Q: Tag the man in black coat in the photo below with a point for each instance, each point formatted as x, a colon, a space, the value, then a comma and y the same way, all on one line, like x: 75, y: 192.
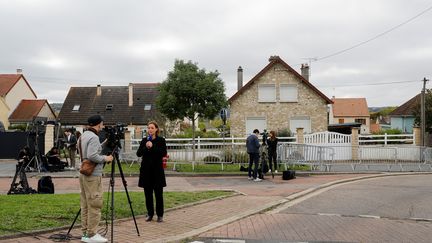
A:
x: 71, y: 143
x: 253, y: 145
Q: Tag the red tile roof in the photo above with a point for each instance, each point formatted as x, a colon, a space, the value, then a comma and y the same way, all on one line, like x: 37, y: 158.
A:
x: 350, y: 107
x: 273, y: 61
x: 27, y: 110
x: 8, y: 81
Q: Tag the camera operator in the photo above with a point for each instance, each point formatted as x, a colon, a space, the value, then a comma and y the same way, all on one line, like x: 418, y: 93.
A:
x: 91, y: 186
x: 71, y: 142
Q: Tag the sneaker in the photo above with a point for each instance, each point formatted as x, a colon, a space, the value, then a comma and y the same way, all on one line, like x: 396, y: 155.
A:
x: 276, y: 171
x: 257, y: 179
x: 97, y: 238
x: 269, y: 171
x: 84, y: 238
x: 250, y: 178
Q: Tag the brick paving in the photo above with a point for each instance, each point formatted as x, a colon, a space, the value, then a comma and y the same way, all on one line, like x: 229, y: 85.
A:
x: 245, y: 216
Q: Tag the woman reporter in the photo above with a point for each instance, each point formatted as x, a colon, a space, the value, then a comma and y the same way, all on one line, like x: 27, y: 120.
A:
x: 152, y: 175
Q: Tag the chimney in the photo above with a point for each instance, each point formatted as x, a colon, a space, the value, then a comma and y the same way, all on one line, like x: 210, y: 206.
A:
x: 19, y: 71
x: 305, y: 71
x: 239, y: 78
x: 130, y: 94
x: 274, y: 58
x: 98, y: 90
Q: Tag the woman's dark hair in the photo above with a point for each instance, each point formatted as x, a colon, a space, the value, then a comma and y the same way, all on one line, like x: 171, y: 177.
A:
x: 273, y: 133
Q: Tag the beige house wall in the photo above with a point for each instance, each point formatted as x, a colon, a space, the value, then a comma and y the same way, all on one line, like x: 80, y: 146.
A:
x: 4, y: 111
x: 46, y: 112
x: 19, y: 91
x: 278, y: 113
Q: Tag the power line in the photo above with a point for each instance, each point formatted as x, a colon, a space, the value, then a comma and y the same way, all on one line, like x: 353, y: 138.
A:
x: 369, y: 84
x: 373, y: 38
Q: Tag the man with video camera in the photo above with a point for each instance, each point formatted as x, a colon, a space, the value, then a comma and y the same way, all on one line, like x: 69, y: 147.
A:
x: 91, y: 186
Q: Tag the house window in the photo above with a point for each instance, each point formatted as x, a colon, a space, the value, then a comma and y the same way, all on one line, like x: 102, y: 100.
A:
x: 288, y: 93
x: 76, y: 107
x: 267, y: 93
x: 253, y: 123
x: 341, y: 121
x: 362, y: 121
x: 147, y: 107
x: 300, y: 121
x: 109, y: 107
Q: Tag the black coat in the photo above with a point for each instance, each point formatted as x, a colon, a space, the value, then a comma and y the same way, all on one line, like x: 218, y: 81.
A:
x: 272, y: 145
x: 152, y: 174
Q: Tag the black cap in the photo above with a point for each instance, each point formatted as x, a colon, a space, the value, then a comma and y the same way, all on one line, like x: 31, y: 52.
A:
x: 94, y: 120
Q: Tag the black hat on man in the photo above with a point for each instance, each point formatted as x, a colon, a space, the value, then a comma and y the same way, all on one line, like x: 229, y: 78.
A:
x: 94, y: 120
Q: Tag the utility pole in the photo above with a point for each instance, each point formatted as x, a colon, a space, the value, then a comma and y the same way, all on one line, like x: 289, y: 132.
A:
x: 423, y: 112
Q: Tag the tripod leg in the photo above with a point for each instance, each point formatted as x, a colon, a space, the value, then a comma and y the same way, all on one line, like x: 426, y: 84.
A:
x: 116, y: 160
x: 13, y: 184
x: 70, y: 228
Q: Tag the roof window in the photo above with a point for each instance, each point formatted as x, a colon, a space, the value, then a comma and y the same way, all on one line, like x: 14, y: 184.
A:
x: 147, y: 107
x: 76, y: 107
x: 109, y: 107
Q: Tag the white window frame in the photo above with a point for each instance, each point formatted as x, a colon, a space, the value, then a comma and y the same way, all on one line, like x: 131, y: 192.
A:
x: 267, y: 93
x: 147, y: 107
x: 293, y: 121
x: 249, y: 130
x: 288, y: 93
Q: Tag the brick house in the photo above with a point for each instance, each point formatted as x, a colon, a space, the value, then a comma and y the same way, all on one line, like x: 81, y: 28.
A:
x: 350, y: 110
x: 278, y: 98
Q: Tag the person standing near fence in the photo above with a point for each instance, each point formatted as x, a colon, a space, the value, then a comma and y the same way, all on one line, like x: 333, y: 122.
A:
x: 252, y: 146
x: 71, y: 142
x: 152, y: 149
x: 272, y: 142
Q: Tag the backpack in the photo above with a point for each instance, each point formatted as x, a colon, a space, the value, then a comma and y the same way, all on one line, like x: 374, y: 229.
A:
x: 45, y: 185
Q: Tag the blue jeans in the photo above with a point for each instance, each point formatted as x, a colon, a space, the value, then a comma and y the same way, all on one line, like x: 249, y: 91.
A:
x: 253, y: 159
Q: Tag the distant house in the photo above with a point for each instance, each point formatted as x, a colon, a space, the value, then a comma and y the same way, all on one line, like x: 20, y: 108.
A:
x: 13, y: 89
x: 28, y: 110
x: 277, y: 98
x: 350, y: 110
x: 132, y: 105
x: 402, y: 118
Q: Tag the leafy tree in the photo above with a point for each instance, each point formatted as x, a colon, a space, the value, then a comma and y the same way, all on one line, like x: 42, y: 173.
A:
x: 428, y: 111
x: 191, y: 92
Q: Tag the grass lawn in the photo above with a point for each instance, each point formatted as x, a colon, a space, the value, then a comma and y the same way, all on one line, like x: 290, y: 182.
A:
x: 23, y: 213
x: 198, y: 168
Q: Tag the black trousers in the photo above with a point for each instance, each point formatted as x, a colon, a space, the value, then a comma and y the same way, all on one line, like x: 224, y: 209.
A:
x: 158, y: 191
x: 272, y: 156
x: 253, y: 159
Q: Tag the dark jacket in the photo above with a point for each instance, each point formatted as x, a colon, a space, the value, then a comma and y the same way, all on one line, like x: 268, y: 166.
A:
x: 252, y: 144
x: 72, y: 142
x: 272, y: 145
x: 152, y: 173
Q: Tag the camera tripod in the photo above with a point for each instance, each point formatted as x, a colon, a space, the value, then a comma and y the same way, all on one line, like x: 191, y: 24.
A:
x: 111, y: 185
x: 25, y: 188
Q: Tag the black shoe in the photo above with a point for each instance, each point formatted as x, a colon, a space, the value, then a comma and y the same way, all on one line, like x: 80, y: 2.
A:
x: 160, y: 219
x: 149, y: 218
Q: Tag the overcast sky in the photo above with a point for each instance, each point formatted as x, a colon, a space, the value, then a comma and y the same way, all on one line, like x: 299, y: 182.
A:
x: 60, y: 44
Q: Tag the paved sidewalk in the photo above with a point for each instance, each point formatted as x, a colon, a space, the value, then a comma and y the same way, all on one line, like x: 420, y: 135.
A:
x: 191, y: 221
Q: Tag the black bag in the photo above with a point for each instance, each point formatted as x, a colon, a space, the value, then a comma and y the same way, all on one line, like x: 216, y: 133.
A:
x: 288, y: 175
x: 45, y: 185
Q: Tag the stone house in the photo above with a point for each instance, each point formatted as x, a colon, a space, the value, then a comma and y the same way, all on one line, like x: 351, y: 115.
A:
x: 350, y: 110
x: 278, y: 98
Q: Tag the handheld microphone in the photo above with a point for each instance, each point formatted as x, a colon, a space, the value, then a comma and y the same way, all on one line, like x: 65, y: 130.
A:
x: 149, y: 138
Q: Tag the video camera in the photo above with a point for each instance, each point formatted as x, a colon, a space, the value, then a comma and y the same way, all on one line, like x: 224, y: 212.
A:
x: 264, y: 136
x: 114, y: 134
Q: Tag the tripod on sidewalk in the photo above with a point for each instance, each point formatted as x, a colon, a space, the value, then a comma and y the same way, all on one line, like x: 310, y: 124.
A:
x: 113, y: 142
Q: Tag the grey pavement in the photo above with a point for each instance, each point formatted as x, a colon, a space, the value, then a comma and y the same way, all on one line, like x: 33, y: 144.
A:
x: 251, y: 214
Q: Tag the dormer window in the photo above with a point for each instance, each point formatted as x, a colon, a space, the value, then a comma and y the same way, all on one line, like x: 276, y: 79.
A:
x: 76, y: 107
x: 109, y: 107
x: 147, y: 107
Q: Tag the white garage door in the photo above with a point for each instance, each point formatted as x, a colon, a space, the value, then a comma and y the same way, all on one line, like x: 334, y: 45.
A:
x: 300, y: 121
x: 253, y: 123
